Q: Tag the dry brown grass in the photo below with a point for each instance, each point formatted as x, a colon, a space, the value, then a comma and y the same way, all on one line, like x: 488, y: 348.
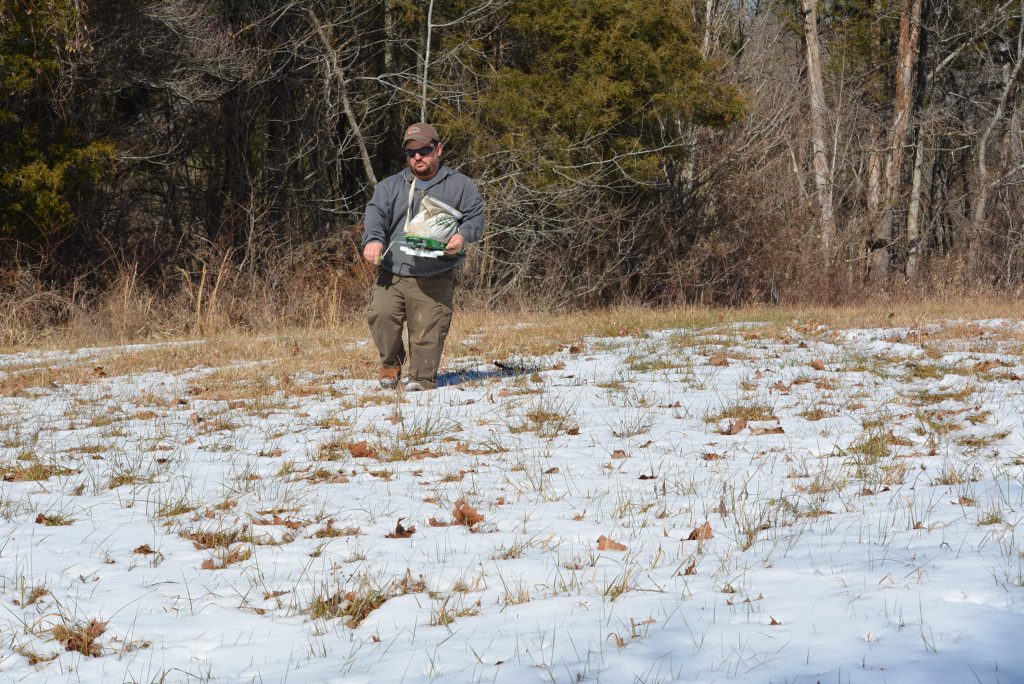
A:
x: 248, y: 364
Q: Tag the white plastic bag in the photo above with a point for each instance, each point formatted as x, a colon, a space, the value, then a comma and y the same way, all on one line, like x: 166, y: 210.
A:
x: 435, y: 221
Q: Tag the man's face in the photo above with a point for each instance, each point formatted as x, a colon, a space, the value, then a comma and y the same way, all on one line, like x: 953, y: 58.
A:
x: 423, y: 159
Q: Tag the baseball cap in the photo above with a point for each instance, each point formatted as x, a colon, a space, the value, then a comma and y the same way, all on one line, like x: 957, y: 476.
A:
x: 421, y: 132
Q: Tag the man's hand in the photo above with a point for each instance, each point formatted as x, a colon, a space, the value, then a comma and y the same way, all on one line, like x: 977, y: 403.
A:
x: 454, y: 245
x: 372, y: 252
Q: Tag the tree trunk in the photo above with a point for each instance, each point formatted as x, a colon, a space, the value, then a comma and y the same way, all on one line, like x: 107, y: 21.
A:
x: 426, y: 60
x: 820, y: 160
x: 914, y: 212
x: 915, y: 209
x: 906, y: 68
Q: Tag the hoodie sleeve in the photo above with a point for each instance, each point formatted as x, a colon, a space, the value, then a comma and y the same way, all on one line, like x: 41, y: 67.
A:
x: 472, y: 208
x: 378, y: 215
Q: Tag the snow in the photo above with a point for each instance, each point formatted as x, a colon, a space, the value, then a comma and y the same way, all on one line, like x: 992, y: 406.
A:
x: 864, y: 517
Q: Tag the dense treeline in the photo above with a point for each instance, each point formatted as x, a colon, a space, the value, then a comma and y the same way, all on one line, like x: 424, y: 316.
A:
x: 714, y: 150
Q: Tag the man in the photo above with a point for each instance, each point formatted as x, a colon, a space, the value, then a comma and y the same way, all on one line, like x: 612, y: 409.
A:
x: 416, y: 290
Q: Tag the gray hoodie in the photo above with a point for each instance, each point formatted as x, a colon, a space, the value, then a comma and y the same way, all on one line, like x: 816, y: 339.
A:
x: 385, y: 218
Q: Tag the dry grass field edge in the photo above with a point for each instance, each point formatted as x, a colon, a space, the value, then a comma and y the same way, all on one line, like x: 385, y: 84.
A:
x: 478, y: 332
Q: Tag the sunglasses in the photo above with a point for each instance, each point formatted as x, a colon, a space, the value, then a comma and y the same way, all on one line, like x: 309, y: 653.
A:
x: 423, y: 151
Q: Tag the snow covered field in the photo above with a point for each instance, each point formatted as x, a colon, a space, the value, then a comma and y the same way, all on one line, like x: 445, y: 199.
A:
x: 743, y: 503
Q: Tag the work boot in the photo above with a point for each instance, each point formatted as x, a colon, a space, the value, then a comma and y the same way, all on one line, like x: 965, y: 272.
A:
x: 389, y: 377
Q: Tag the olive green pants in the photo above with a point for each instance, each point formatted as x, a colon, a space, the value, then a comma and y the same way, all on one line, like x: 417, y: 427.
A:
x: 425, y: 305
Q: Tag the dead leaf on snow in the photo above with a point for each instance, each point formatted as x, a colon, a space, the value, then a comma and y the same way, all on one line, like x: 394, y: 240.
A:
x: 401, y: 532
x: 606, y: 544
x: 464, y: 514
x: 736, y: 427
x: 701, y: 533
x: 362, y: 450
x: 279, y: 521
x: 777, y: 430
x: 718, y: 360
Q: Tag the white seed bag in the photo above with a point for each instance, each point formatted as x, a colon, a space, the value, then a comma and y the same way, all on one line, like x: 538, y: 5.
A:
x: 435, y: 221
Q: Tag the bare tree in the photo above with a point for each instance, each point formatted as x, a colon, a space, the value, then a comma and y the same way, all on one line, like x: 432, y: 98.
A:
x: 820, y: 162
x: 984, y: 183
x: 906, y: 70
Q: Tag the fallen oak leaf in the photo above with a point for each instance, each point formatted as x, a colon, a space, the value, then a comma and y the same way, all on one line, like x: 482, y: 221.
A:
x: 818, y: 364
x: 606, y: 544
x: 736, y: 427
x: 701, y: 533
x: 144, y: 550
x: 464, y: 514
x: 362, y: 450
x: 718, y: 360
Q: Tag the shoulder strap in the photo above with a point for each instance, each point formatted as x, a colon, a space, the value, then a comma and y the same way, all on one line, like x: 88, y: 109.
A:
x: 408, y: 206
